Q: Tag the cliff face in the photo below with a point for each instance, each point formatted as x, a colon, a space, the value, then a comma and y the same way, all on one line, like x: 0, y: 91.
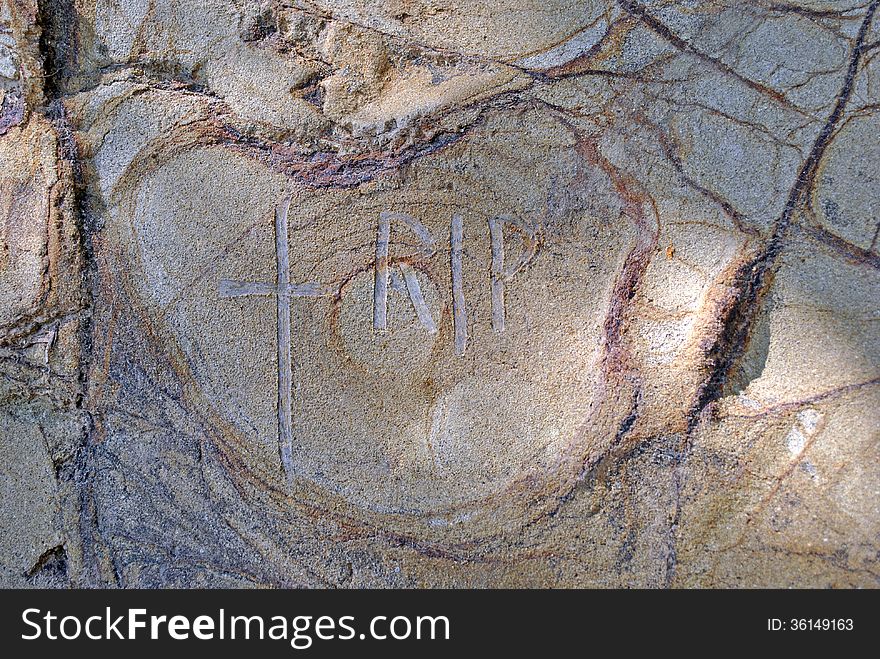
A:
x: 439, y: 293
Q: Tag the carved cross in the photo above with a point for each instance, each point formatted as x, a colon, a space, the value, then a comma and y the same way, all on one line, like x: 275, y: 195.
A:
x: 283, y: 291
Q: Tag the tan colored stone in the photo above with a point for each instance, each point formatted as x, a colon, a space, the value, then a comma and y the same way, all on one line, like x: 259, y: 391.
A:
x: 254, y: 300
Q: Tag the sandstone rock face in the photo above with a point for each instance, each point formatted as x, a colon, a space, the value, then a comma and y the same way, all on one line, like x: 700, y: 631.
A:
x: 439, y: 294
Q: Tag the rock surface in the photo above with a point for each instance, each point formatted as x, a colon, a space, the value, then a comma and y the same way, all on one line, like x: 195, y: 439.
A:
x: 306, y: 293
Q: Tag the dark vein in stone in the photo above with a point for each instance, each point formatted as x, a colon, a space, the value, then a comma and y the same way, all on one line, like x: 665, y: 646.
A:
x: 640, y: 12
x: 754, y: 279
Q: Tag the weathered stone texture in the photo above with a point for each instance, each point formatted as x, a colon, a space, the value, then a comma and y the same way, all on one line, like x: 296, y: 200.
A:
x: 439, y: 293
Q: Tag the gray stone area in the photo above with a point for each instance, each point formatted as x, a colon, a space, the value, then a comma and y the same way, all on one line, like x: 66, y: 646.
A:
x: 439, y: 293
